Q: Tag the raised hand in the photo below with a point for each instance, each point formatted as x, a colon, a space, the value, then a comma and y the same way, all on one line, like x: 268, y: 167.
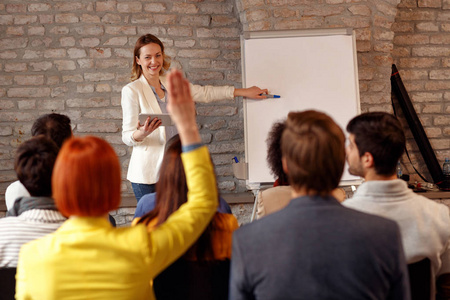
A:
x: 182, y: 108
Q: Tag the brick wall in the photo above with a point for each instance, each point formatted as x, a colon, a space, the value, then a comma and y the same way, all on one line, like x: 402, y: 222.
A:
x: 74, y: 58
x: 422, y: 53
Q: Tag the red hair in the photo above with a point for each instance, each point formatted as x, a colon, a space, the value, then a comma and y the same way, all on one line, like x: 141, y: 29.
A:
x: 86, y: 178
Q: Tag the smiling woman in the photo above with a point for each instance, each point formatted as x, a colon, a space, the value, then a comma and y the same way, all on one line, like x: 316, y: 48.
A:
x: 147, y: 94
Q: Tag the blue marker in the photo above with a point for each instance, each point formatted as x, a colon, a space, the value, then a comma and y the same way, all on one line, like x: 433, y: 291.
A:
x: 235, y: 159
x: 270, y: 95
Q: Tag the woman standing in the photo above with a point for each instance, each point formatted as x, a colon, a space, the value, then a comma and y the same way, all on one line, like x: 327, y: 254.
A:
x: 147, y: 94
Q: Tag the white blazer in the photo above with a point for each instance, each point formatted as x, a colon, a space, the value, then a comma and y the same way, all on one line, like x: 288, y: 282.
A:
x: 147, y: 155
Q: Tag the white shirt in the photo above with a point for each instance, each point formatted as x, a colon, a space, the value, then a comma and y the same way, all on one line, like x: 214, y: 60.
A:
x: 14, y: 191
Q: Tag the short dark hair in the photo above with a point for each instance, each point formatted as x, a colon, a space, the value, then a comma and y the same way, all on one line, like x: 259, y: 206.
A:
x: 380, y: 134
x: 274, y: 152
x: 55, y: 127
x: 313, y: 146
x: 34, y: 163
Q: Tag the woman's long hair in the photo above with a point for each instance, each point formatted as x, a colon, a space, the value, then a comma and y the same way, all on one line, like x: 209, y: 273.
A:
x: 171, y: 193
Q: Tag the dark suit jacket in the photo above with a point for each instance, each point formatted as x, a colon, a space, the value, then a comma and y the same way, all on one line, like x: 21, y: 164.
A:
x: 317, y: 249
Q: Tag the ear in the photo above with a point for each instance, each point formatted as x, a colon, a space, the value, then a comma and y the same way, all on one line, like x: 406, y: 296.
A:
x: 137, y: 60
x: 284, y: 163
x: 367, y: 160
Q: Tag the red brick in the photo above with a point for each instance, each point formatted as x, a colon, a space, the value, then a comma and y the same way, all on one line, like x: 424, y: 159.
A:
x: 212, y: 8
x: 432, y: 108
x: 6, y: 80
x: 199, y: 53
x: 59, y: 30
x: 418, y: 62
x: 46, y: 19
x: 216, y: 110
x: 386, y: 47
x: 165, y: 19
x: 28, y: 92
x: 436, y: 85
x: 98, y: 76
x: 129, y: 7
x: 256, y: 15
x: 426, y: 97
x: 196, y: 20
x: 246, y: 4
x: 69, y: 6
x: 16, y: 8
x: 429, y: 3
x: 54, y: 53
x: 440, y: 75
x: 15, y: 30
x: 223, y: 21
x: 38, y: 7
x: 89, y: 42
x: 36, y: 30
x: 142, y: 19
x: 383, y: 35
x: 66, y: 18
x: 86, y: 18
x: 415, y: 15
x: 72, y: 78
x: 97, y: 127
x: 67, y: 41
x: 57, y: 105
x: 411, y: 39
x: 210, y: 44
x: 26, y: 104
x: 386, y: 8
x: 112, y: 63
x: 116, y: 41
x: 180, y: 31
x: 217, y: 32
x: 85, y: 63
x: 381, y: 21
x: 260, y: 25
x: 15, y: 67
x: 91, y: 102
x: 440, y: 39
x: 105, y: 5
x: 100, y: 52
x: 90, y: 30
x: 6, y: 20
x: 361, y: 10
x: 155, y: 7
x: 431, y: 51
x: 323, y: 11
x: 23, y: 20
x: 41, y: 66
x: 427, y: 27
x: 184, y: 43
x: 403, y: 27
x: 29, y: 79
x: 65, y: 65
x: 285, y: 13
x: 185, y: 8
x: 126, y: 30
x: 111, y: 19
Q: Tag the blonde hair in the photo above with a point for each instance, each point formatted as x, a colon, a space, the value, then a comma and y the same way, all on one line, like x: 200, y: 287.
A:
x: 136, y: 70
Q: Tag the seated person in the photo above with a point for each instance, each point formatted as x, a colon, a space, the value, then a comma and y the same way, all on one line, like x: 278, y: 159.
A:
x: 33, y: 216
x: 148, y: 202
x: 203, y: 271
x: 315, y: 248
x: 55, y: 127
x: 87, y: 258
x: 377, y: 142
x: 277, y: 197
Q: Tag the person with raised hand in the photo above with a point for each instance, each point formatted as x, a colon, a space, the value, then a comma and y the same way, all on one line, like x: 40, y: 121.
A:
x: 86, y: 258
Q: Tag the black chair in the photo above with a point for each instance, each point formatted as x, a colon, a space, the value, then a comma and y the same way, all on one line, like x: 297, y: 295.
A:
x: 7, y: 283
x: 420, y: 279
x: 191, y: 280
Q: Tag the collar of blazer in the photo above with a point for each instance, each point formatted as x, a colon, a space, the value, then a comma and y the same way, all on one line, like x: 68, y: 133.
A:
x: 150, y: 96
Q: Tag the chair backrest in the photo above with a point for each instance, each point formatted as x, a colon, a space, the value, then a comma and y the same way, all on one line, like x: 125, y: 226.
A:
x: 7, y: 283
x: 420, y: 279
x: 193, y: 280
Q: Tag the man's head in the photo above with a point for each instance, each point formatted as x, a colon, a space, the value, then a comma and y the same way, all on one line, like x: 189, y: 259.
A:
x: 377, y: 142
x: 313, y: 152
x: 34, y: 165
x: 55, y: 127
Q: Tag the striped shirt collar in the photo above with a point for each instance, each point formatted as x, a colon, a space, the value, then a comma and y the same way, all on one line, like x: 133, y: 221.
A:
x: 43, y: 216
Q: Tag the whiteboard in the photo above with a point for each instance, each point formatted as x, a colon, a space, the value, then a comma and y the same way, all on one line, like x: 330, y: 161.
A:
x: 309, y: 69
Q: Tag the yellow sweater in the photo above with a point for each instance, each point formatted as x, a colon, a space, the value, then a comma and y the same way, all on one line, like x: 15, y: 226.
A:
x: 88, y: 259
